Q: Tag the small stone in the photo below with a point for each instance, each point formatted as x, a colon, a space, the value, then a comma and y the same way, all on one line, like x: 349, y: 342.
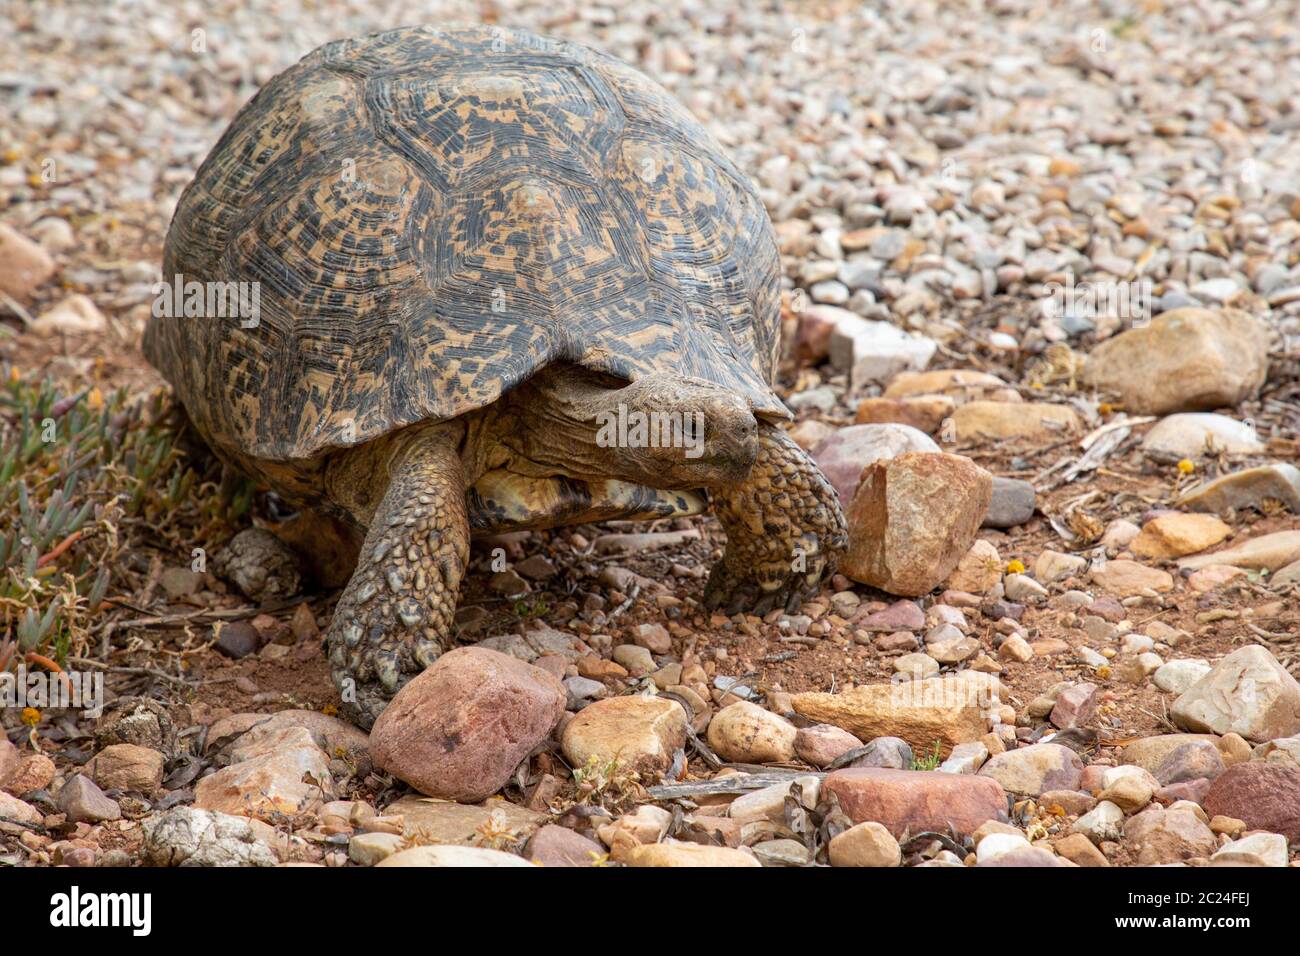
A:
x: 459, y: 729
x: 979, y: 570
x: 75, y: 315
x: 1075, y: 706
x: 843, y: 456
x: 24, y: 266
x: 1175, y: 534
x: 637, y: 660
x: 1267, y: 552
x: 368, y: 849
x: 1248, y: 488
x: 127, y: 767
x: 1102, y: 824
x: 821, y: 744
x: 1195, y: 435
x: 1168, y: 836
x: 1015, y: 648
x: 30, y: 772
x: 1031, y: 770
x: 865, y: 844
x: 186, y: 836
x: 673, y: 854
x: 555, y: 846
x: 1002, y: 421
x: 84, y: 802
x: 1052, y: 566
x: 1012, y: 503
x: 640, y: 733
x: 1258, y: 849
x: 1177, y: 676
x: 453, y: 856
x: 1078, y: 849
x: 1128, y: 578
x: 746, y: 733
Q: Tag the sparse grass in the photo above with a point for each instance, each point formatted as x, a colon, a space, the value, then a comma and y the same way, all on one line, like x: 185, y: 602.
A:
x: 927, y: 761
x: 85, y: 479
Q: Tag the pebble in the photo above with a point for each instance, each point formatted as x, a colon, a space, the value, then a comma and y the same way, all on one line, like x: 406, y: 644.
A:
x: 746, y: 733
x: 640, y: 733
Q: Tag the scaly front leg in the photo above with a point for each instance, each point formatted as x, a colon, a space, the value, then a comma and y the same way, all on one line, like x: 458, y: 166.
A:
x: 394, y: 618
x: 785, y: 531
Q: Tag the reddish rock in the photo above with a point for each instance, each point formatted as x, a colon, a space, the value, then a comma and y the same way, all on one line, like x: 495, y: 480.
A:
x: 914, y: 800
x: 31, y: 772
x: 1075, y: 706
x: 912, y: 519
x: 1193, y: 790
x: 459, y: 729
x: 1264, y: 794
x: 820, y: 744
x: 899, y: 616
x: 1193, y: 760
x: 1160, y: 836
x: 559, y: 846
x: 843, y: 456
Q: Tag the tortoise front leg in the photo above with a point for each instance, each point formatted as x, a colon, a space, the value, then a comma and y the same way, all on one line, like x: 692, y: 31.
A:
x: 394, y: 618
x: 785, y: 530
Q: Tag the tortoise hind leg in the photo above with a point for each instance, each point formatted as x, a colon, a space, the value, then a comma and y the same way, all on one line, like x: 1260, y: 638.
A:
x: 395, y: 617
x: 785, y: 530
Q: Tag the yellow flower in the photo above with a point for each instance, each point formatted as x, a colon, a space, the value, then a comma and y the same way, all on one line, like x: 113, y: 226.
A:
x: 94, y: 399
x: 1016, y: 567
x: 1186, y: 467
x: 329, y: 710
x: 31, y: 716
x: 1103, y: 671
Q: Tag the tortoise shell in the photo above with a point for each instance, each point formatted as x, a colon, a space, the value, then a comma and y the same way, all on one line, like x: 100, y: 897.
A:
x: 431, y: 216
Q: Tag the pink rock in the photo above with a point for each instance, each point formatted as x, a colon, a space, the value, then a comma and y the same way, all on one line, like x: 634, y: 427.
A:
x: 820, y: 744
x: 909, y: 801
x: 1075, y: 706
x: 899, y: 616
x: 1193, y: 790
x: 844, y: 454
x: 458, y: 730
x: 559, y: 846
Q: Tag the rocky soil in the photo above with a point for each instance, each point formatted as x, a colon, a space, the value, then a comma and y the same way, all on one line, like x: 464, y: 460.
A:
x: 1042, y: 265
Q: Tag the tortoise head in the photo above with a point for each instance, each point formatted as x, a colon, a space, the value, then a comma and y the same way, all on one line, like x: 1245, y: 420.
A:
x: 685, y: 432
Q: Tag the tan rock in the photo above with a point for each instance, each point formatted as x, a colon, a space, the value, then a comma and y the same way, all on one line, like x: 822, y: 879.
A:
x: 992, y: 421
x: 640, y: 733
x: 674, y: 854
x: 1182, y: 360
x: 979, y: 571
x: 912, y: 801
x: 866, y: 844
x: 1247, y: 488
x: 430, y: 820
x: 75, y: 315
x: 287, y: 781
x: 947, y: 710
x: 1271, y: 551
x: 1128, y: 578
x: 453, y: 856
x: 29, y: 772
x: 912, y: 519
x: 1078, y: 849
x: 923, y: 412
x: 127, y: 767
x: 746, y: 733
x: 24, y: 266
x: 1029, y: 771
x: 961, y: 384
x: 1175, y: 535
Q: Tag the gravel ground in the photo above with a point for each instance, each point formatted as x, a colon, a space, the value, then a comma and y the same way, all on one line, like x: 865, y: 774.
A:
x: 943, y: 167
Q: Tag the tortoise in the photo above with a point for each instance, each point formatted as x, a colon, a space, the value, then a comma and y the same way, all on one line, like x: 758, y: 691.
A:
x: 498, y: 281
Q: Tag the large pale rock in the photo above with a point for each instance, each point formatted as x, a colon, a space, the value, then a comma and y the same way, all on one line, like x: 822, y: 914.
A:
x: 1175, y: 535
x: 640, y: 733
x: 1248, y: 693
x: 75, y: 315
x: 1199, y: 435
x: 1129, y: 578
x: 947, y: 710
x: 24, y: 265
x: 11, y: 808
x: 459, y: 729
x: 912, y: 520
x: 843, y: 455
x: 336, y: 737
x: 187, y: 836
x: 1161, y: 836
x: 453, y: 856
x: 992, y: 421
x: 1150, y: 752
x: 911, y: 801
x: 1248, y: 488
x: 872, y: 352
x: 1268, y: 551
x: 1029, y: 771
x: 746, y: 733
x: 286, y: 780
x: 1183, y: 360
x: 1266, y: 795
x: 674, y: 854
x: 1258, y: 849
x: 430, y: 820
